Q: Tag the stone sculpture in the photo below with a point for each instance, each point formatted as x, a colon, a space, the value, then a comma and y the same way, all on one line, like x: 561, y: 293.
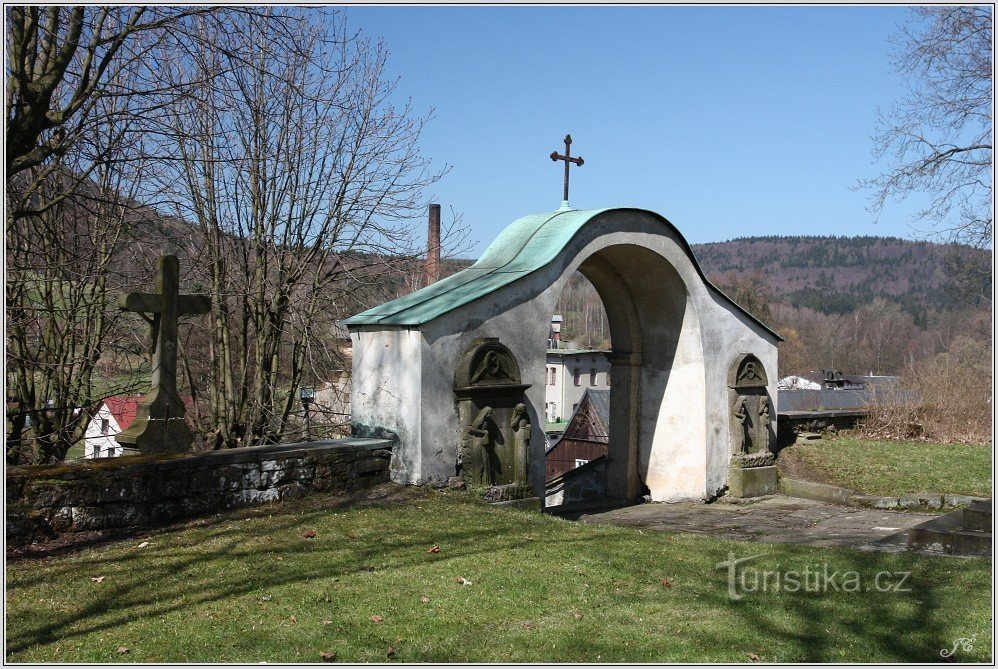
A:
x: 520, y: 424
x: 496, y: 432
x: 751, y: 471
x: 160, y: 427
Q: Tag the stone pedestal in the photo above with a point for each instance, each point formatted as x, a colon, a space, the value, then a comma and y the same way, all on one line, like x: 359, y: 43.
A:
x: 751, y: 481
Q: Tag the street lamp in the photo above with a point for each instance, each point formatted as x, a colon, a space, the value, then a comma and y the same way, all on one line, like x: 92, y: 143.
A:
x: 307, y: 396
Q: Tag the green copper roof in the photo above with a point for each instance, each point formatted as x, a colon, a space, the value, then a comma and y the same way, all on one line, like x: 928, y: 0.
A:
x: 524, y: 247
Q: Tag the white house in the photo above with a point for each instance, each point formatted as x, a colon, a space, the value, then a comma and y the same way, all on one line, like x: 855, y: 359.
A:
x: 569, y: 372
x: 114, y: 415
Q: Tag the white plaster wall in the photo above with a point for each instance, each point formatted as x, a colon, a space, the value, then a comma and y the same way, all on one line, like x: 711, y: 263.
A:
x: 564, y: 393
x: 387, y: 391
x: 674, y: 470
x: 729, y: 334
x: 94, y: 439
x: 684, y: 445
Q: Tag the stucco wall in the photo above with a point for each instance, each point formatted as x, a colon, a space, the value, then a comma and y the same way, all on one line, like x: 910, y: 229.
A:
x: 95, y: 439
x: 679, y: 334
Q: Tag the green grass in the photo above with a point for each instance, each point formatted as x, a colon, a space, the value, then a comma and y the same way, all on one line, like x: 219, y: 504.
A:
x: 542, y: 590
x: 76, y: 450
x: 896, y: 468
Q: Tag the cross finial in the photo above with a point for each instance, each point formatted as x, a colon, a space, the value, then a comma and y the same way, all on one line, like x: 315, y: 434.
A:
x: 568, y: 159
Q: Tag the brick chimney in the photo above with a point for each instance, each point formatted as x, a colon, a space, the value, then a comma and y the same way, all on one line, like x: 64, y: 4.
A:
x: 433, y: 246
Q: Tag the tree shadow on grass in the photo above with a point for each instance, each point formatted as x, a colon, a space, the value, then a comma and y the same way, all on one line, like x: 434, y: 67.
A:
x: 223, y: 559
x: 150, y: 590
x: 898, y: 616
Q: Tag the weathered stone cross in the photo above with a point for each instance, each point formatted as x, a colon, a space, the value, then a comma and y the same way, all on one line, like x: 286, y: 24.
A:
x: 159, y: 426
x: 568, y: 159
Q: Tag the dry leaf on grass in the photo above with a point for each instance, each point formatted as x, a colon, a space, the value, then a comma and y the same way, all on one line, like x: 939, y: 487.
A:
x: 293, y: 619
x: 578, y: 616
x: 310, y: 534
x: 97, y: 579
x: 328, y: 657
x: 266, y: 598
x: 666, y: 583
x: 122, y: 650
x: 327, y: 622
x: 391, y: 651
x: 425, y: 600
x: 143, y: 544
x: 433, y: 549
x: 462, y: 580
x: 377, y: 619
x: 752, y: 656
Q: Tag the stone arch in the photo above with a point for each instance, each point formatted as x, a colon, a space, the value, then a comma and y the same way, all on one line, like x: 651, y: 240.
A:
x: 671, y: 331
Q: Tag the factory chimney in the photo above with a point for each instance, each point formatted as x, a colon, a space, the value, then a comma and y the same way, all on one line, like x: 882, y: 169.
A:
x: 433, y: 246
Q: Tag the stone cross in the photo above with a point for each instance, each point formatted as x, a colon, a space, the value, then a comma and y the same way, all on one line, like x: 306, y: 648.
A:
x: 159, y: 426
x: 568, y: 159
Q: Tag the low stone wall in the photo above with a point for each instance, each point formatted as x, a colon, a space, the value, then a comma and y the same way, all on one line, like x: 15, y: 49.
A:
x: 46, y: 501
x: 581, y: 484
x: 917, y: 501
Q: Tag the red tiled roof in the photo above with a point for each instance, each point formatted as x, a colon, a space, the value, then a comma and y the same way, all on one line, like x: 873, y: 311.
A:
x: 124, y: 408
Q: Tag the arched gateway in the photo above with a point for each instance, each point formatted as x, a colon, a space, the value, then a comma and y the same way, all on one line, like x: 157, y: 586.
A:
x: 456, y: 371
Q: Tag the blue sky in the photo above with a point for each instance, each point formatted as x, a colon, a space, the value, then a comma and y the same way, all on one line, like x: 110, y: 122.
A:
x: 729, y: 121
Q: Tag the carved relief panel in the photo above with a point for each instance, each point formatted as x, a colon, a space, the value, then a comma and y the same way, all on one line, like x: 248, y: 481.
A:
x: 494, y: 424
x: 751, y: 412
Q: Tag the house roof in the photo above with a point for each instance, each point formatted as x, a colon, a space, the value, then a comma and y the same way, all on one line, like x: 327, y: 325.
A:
x: 845, y: 380
x: 591, y: 420
x: 525, y: 246
x: 842, y: 399
x: 124, y: 408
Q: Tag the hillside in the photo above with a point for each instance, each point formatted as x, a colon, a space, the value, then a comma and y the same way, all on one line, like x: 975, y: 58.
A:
x: 839, y: 274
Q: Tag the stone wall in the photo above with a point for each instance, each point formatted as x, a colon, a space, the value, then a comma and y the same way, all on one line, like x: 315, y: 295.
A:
x: 581, y: 484
x: 44, y: 502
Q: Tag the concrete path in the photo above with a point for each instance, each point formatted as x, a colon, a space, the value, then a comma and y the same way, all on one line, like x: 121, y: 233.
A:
x: 777, y: 519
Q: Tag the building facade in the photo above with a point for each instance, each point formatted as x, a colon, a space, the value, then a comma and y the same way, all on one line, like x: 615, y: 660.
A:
x: 114, y: 415
x: 568, y: 374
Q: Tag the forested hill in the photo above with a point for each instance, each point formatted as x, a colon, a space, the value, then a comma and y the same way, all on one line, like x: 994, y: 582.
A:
x: 838, y: 274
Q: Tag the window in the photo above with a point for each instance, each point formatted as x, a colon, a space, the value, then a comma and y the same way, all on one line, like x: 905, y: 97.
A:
x: 592, y: 376
x: 579, y: 463
x: 554, y: 372
x: 608, y: 377
x: 576, y: 376
x: 105, y: 424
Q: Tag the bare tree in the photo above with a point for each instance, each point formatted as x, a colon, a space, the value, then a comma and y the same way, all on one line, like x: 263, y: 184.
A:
x: 937, y: 138
x: 301, y: 178
x: 64, y: 268
x: 81, y: 99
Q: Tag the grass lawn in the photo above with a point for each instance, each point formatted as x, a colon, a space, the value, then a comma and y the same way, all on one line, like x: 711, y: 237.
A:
x: 893, y: 467
x: 76, y: 450
x: 249, y: 587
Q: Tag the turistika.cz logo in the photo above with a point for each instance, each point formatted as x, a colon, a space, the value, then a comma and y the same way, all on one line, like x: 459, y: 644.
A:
x: 743, y: 579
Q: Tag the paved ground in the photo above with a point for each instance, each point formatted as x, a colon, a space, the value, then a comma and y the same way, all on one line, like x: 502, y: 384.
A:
x: 787, y: 520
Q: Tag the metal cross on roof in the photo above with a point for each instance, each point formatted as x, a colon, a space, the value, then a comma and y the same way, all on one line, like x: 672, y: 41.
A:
x: 568, y: 159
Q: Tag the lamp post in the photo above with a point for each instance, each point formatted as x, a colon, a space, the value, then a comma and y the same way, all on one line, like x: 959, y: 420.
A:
x: 307, y: 396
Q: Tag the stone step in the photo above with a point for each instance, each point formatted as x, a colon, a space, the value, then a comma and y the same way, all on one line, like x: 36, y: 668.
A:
x: 947, y: 534
x: 978, y: 516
